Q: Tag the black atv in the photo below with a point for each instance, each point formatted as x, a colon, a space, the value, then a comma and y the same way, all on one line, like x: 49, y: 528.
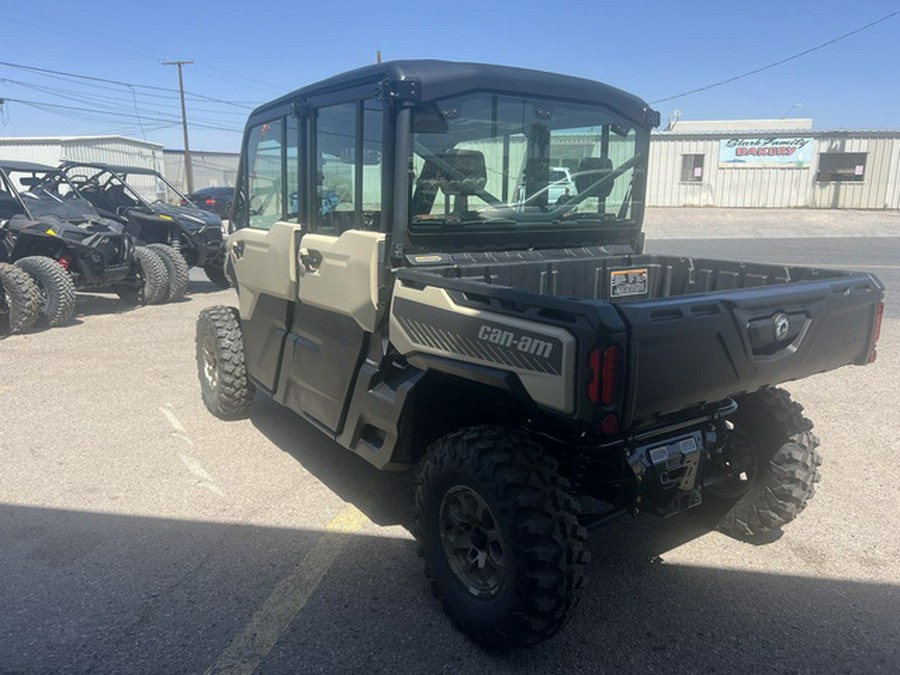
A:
x: 154, y: 212
x: 61, y: 241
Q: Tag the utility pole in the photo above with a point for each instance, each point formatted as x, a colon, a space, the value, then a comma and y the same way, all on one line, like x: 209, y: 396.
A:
x: 188, y: 172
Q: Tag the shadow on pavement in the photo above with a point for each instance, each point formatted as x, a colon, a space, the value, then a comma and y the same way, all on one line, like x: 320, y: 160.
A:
x: 90, y: 591
x: 385, y: 497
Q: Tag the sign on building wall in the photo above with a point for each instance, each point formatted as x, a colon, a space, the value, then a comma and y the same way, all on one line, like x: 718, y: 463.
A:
x: 763, y: 152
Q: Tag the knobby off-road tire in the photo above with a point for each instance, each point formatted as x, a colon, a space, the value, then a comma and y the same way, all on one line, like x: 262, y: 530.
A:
x: 20, y: 299
x: 494, y: 491
x: 56, y: 288
x: 152, y: 279
x: 787, y: 464
x: 227, y: 391
x: 216, y: 274
x: 177, y: 269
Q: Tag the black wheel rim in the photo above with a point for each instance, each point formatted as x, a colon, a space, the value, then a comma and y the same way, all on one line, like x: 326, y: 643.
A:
x: 472, y: 542
x: 734, y: 467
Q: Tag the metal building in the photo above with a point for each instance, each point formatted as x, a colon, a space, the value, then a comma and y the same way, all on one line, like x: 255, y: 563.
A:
x: 209, y: 169
x: 107, y: 149
x: 773, y: 164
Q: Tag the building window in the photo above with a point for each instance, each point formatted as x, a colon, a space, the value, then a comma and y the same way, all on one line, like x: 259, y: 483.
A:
x: 691, y: 168
x: 841, y: 166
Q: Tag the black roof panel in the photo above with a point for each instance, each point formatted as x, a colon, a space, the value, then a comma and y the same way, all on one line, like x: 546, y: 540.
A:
x: 438, y: 79
x: 115, y: 168
x: 11, y: 165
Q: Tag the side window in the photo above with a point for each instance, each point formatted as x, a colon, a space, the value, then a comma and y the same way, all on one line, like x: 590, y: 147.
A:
x: 292, y: 159
x: 335, y: 175
x: 372, y: 162
x: 349, y: 157
x: 265, y: 175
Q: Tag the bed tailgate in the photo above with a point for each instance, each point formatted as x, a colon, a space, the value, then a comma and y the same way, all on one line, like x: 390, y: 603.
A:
x: 703, y: 348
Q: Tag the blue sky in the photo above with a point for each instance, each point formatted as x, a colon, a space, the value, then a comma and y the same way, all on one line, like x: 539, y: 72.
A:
x: 249, y: 52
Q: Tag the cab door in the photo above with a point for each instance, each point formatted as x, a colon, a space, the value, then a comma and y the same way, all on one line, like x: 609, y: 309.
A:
x: 261, y: 253
x: 338, y: 262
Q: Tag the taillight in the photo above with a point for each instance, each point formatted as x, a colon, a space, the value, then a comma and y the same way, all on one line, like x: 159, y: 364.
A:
x: 210, y: 201
x: 610, y: 371
x: 604, y: 373
x: 594, y: 386
x: 879, y: 317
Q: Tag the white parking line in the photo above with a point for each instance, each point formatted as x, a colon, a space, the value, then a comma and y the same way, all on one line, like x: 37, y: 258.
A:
x: 172, y: 420
x: 206, y: 479
x: 275, y: 615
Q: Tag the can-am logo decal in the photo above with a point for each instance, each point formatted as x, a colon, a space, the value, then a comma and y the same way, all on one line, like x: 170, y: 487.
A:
x: 523, y: 343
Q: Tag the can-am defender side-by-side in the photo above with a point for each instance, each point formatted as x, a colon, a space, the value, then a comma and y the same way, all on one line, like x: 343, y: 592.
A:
x: 408, y: 282
x: 59, y: 239
x: 157, y: 214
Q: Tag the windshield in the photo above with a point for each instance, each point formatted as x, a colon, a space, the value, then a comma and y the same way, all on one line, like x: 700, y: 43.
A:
x: 51, y: 194
x: 491, y: 162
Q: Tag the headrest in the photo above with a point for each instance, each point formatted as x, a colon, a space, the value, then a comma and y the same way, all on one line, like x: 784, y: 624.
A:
x: 591, y: 170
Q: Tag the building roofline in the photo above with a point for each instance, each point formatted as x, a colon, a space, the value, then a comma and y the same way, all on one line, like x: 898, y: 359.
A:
x: 10, y: 140
x: 797, y: 133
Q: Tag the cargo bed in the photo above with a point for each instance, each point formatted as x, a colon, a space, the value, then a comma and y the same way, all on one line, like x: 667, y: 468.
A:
x: 699, y: 330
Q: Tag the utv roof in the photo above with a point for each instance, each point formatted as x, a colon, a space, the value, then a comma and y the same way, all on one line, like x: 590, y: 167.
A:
x: 428, y: 79
x: 25, y: 166
x: 114, y: 168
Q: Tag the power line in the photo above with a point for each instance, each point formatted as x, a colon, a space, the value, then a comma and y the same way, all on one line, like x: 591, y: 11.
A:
x: 52, y: 107
x: 780, y: 62
x: 91, y: 78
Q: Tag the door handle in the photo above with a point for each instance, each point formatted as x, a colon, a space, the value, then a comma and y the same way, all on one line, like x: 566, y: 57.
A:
x: 238, y: 249
x: 310, y: 260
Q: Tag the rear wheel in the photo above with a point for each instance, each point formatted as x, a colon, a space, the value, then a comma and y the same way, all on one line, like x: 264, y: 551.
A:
x: 768, y: 466
x: 216, y: 274
x: 500, y: 535
x: 151, y: 280
x: 55, y: 286
x: 177, y: 269
x: 20, y: 300
x: 227, y: 391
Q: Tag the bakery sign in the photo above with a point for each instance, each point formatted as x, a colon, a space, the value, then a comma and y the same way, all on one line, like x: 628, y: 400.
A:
x: 762, y: 152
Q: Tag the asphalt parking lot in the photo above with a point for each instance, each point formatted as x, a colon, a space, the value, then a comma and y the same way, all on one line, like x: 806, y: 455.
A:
x: 140, y: 534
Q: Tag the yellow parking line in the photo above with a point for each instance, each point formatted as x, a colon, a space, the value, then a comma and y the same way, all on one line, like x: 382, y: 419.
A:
x: 274, y: 616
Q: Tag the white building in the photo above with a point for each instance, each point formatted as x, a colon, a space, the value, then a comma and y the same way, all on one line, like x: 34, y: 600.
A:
x: 209, y: 169
x: 107, y: 149
x: 773, y: 164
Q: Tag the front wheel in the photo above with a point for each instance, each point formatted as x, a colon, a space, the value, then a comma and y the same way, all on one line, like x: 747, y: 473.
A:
x: 20, y: 300
x: 177, y: 269
x: 767, y: 467
x: 150, y: 283
x: 226, y: 389
x: 56, y: 288
x: 500, y: 535
x: 215, y: 272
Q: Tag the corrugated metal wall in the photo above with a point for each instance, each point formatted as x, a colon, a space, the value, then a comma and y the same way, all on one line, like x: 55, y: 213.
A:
x: 31, y: 150
x: 122, y: 151
x: 774, y: 187
x: 209, y: 169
